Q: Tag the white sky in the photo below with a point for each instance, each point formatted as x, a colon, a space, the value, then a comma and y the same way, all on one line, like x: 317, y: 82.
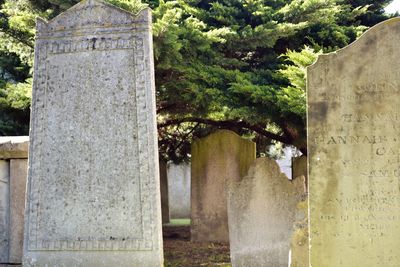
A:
x: 393, y: 7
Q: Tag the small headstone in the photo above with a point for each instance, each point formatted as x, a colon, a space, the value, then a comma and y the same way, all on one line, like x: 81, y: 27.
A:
x: 299, y: 256
x: 13, y: 172
x: 354, y: 152
x: 262, y: 209
x: 4, y: 210
x: 18, y: 174
x: 93, y: 185
x: 164, y: 192
x: 217, y: 159
x: 299, y: 247
x: 299, y: 167
x: 179, y: 190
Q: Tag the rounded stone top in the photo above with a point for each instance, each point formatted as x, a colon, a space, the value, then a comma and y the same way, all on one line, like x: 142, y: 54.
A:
x: 369, y: 39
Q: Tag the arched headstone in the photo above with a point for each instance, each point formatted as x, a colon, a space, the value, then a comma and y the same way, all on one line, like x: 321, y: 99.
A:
x: 217, y: 159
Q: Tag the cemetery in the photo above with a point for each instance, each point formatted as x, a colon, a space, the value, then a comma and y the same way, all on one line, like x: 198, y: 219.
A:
x: 199, y: 133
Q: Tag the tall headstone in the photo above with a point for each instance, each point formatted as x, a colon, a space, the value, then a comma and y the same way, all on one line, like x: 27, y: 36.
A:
x: 164, y: 192
x: 217, y: 160
x: 262, y: 208
x: 179, y: 190
x: 93, y: 194
x: 354, y: 152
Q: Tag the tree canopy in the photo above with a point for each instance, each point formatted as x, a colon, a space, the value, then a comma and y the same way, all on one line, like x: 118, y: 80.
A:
x: 233, y: 64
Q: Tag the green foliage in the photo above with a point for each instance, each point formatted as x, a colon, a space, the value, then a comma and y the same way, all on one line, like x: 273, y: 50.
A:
x: 14, y: 106
x: 292, y: 98
x: 133, y: 6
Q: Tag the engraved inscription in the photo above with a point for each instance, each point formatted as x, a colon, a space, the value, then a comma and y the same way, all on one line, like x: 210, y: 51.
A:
x: 354, y: 154
x: 104, y: 43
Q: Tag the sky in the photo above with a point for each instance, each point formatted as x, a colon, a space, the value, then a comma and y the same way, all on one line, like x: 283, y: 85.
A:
x: 393, y: 7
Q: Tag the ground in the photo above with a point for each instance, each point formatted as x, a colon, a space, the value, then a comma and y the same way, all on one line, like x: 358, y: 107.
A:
x: 180, y: 252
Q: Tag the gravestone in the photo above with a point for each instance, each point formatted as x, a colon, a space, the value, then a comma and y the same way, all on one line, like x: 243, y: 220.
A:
x: 299, y: 249
x: 18, y: 174
x: 179, y: 190
x: 4, y: 210
x: 354, y: 152
x: 217, y: 160
x: 299, y: 167
x: 13, y: 172
x: 262, y: 208
x: 164, y: 192
x: 93, y: 182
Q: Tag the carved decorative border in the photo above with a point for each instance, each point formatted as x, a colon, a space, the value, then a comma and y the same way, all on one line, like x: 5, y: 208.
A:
x: 46, y: 47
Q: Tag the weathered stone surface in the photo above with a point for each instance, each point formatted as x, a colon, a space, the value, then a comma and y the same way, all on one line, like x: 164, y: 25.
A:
x: 354, y: 148
x: 217, y: 159
x: 299, y: 168
x: 18, y: 174
x: 179, y: 190
x: 14, y: 147
x: 93, y: 181
x: 299, y: 244
x: 164, y: 192
x: 4, y: 210
x: 262, y: 209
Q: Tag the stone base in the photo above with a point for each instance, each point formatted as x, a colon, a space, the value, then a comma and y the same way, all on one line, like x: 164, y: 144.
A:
x: 93, y: 259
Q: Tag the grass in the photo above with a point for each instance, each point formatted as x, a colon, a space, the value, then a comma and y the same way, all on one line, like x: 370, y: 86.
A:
x: 178, y: 222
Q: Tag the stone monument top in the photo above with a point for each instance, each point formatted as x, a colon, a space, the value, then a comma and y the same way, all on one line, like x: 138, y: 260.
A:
x: 91, y: 13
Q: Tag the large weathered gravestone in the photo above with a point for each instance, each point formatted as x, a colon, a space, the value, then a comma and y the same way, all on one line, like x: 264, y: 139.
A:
x: 262, y: 208
x: 13, y: 172
x: 179, y: 190
x: 354, y: 152
x: 217, y: 159
x: 93, y: 182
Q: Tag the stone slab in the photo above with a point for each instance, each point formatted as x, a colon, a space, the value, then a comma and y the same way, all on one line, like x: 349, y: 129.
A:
x: 4, y: 210
x: 299, y: 168
x: 299, y: 246
x: 217, y: 159
x: 354, y: 152
x: 262, y: 209
x: 18, y: 174
x: 164, y: 192
x: 93, y: 182
x: 14, y: 147
x: 179, y: 190
x: 299, y: 249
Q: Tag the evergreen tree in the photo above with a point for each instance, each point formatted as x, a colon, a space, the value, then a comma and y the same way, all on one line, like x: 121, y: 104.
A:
x: 234, y: 64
